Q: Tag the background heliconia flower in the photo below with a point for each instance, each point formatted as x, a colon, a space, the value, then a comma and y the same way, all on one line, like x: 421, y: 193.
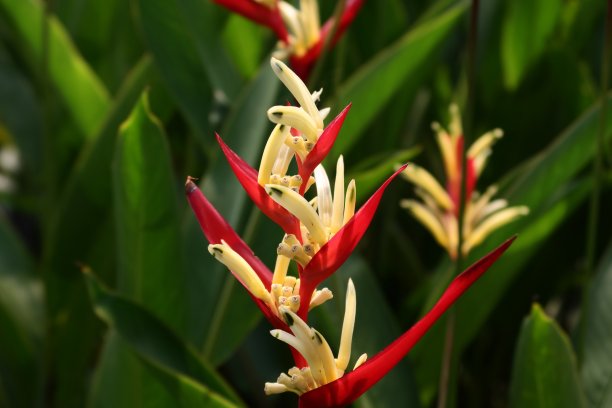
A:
x: 439, y: 209
x: 301, y: 35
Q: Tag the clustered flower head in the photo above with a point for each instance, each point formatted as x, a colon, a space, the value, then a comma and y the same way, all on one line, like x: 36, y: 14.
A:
x: 319, y: 235
x: 301, y: 37
x: 439, y: 209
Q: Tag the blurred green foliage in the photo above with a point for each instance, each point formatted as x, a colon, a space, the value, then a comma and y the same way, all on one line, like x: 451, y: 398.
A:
x: 110, y: 105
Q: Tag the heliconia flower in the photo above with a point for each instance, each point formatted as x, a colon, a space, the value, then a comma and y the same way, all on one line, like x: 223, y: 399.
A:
x: 303, y: 62
x: 323, y: 382
x: 439, y: 209
x: 301, y: 36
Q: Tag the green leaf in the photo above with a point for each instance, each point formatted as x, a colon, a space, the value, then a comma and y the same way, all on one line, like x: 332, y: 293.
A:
x: 544, y: 371
x: 375, y: 83
x: 180, y: 367
x: 82, y: 92
x: 149, y: 252
x: 80, y: 228
x: 596, y: 370
x: 245, y: 42
x: 21, y: 321
x: 147, y: 220
x: 106, y: 34
x: 183, y: 36
x: 216, y: 299
x: 526, y: 30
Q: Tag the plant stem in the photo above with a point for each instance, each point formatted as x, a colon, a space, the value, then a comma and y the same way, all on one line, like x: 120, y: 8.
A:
x: 597, y: 172
x: 316, y: 72
x: 447, y: 356
x: 597, y: 177
x: 449, y: 338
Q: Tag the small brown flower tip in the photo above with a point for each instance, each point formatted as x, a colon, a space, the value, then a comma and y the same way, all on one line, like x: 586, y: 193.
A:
x: 190, y: 185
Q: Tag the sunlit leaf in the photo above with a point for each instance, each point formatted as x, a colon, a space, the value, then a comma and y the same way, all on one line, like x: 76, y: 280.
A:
x: 527, y: 28
x: 81, y: 91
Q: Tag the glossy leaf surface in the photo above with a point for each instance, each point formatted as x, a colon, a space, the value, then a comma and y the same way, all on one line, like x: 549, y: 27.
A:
x: 544, y: 372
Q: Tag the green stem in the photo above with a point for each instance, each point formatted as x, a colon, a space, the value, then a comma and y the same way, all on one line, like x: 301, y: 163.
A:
x: 597, y: 176
x: 449, y: 338
x: 447, y: 356
x: 316, y: 72
x: 228, y: 286
x: 597, y: 172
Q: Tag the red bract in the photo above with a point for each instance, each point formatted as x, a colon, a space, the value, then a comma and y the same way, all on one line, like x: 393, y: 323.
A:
x: 453, y: 184
x: 352, y: 385
x: 216, y: 228
x: 247, y: 176
x: 303, y: 65
x: 259, y: 13
x: 322, y: 148
x: 336, y: 251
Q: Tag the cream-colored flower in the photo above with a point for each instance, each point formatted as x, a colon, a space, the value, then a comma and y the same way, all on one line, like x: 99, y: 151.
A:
x: 322, y: 367
x: 438, y: 209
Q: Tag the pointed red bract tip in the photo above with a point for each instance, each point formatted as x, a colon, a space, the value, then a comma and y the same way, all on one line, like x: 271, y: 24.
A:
x: 216, y: 228
x: 352, y: 385
x: 323, y: 146
x: 336, y: 251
